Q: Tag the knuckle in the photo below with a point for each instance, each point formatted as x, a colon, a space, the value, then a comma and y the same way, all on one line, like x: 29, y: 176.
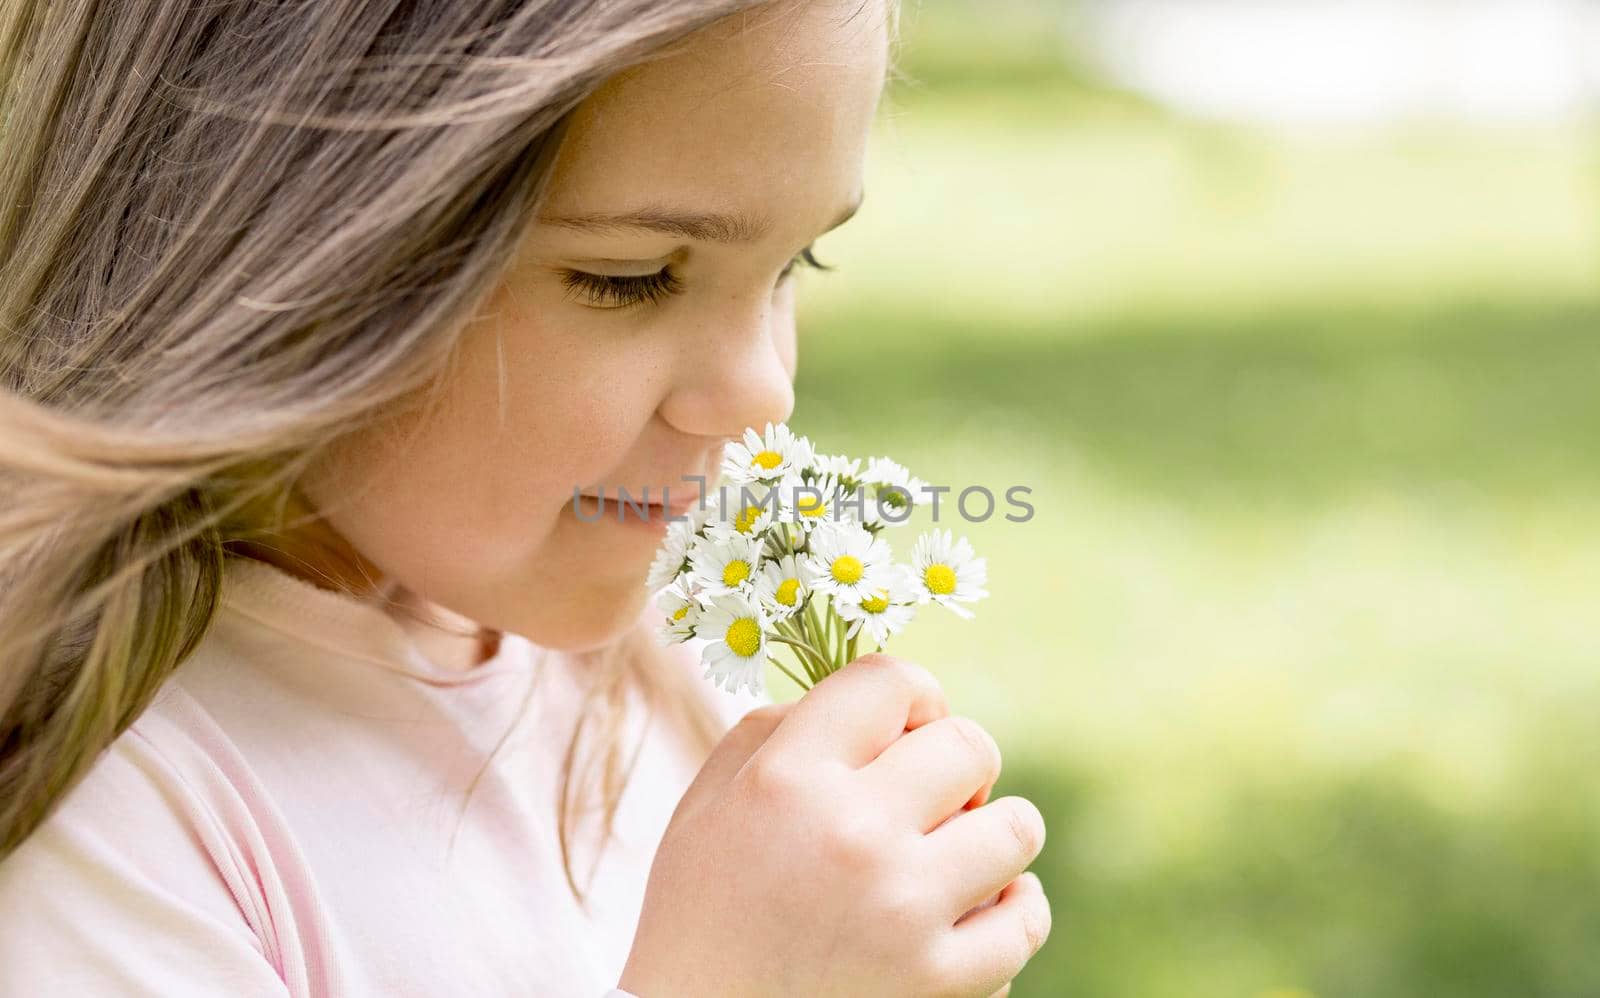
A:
x: 913, y: 674
x: 946, y: 971
x: 878, y: 660
x: 978, y: 740
x: 902, y: 670
x: 936, y: 971
x: 947, y: 988
x: 772, y: 779
x: 1035, y: 918
x: 1025, y: 823
x: 853, y: 844
x: 767, y: 715
x: 905, y: 908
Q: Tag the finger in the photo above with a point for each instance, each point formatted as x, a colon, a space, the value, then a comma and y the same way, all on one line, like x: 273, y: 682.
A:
x: 855, y: 713
x: 982, y: 849
x: 1003, y: 992
x: 990, y: 900
x: 742, y: 740
x: 951, y: 762
x: 992, y: 945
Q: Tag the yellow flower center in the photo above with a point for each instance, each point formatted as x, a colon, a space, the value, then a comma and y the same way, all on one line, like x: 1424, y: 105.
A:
x: 744, y: 637
x: 876, y: 604
x: 788, y: 591
x: 680, y: 613
x: 941, y: 579
x: 810, y: 505
x: 735, y: 572
x: 746, y: 520
x: 768, y: 459
x: 847, y: 569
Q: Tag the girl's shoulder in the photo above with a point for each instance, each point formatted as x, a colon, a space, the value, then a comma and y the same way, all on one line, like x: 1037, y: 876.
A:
x: 160, y: 841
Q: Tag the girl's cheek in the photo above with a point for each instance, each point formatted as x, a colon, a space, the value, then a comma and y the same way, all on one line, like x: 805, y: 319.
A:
x: 586, y: 389
x: 595, y: 442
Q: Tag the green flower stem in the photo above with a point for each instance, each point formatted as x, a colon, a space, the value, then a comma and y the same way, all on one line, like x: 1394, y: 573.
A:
x: 850, y: 654
x: 804, y: 660
x: 836, y: 630
x: 844, y: 644
x: 807, y: 649
x: 826, y: 640
x: 800, y: 623
x: 794, y: 628
x: 816, y: 628
x: 798, y: 681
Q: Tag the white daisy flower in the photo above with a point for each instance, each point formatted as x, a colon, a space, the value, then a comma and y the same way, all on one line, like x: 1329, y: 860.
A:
x: 765, y: 457
x: 750, y: 510
x: 847, y: 560
x: 884, y: 611
x: 783, y: 586
x: 672, y: 557
x: 736, y: 655
x: 837, y: 465
x: 727, y: 565
x: 682, y: 609
x: 892, y: 493
x: 946, y: 572
x: 822, y: 500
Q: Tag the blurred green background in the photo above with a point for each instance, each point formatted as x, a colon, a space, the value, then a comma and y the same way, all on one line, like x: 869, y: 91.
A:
x: 1298, y: 654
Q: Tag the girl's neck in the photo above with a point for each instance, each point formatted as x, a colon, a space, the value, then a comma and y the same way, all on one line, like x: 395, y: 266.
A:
x: 441, y: 635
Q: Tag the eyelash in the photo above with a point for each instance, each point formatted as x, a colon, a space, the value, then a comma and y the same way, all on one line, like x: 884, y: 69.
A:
x: 627, y: 291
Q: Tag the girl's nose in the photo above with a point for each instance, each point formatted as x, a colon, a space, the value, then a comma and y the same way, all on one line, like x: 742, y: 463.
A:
x: 732, y: 374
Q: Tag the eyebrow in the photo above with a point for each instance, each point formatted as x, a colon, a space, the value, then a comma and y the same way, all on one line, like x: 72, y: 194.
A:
x: 705, y: 226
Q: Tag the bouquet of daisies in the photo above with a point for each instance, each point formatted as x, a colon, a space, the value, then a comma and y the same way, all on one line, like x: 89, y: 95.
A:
x: 787, y: 554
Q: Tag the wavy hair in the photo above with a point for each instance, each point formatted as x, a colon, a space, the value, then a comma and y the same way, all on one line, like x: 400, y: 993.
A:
x: 229, y: 233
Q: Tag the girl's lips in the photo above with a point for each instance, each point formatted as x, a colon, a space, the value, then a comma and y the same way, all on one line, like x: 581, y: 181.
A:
x: 633, y: 511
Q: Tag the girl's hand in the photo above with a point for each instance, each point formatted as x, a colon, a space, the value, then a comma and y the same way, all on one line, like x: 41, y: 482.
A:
x: 841, y: 845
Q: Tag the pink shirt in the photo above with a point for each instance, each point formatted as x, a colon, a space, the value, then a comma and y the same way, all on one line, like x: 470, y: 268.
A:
x: 279, y: 822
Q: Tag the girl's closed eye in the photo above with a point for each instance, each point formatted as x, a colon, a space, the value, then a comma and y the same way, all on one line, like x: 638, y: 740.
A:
x: 607, y: 291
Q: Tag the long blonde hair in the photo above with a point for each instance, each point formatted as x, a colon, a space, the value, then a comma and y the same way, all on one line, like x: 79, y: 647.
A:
x: 230, y: 232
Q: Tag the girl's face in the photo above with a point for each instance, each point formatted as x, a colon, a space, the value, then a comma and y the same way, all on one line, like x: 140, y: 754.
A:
x: 692, y: 183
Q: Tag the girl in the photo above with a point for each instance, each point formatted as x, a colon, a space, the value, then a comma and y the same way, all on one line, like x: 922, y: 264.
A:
x: 325, y: 326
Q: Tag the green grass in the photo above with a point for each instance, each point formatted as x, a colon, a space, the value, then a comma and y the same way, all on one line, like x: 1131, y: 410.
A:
x: 1270, y: 411
x: 1073, y: 220
x: 1296, y: 653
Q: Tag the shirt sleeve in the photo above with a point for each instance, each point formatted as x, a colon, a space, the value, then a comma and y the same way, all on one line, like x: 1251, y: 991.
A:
x: 112, y: 895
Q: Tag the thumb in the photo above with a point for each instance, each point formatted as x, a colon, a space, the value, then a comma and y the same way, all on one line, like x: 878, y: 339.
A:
x: 729, y: 755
